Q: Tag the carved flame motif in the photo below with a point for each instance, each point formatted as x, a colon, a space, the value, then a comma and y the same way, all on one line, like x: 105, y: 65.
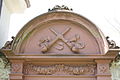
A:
x: 57, y: 7
x: 73, y: 43
x: 60, y: 69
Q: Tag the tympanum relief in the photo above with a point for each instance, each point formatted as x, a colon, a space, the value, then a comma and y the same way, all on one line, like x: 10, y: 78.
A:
x: 60, y: 38
x: 74, y: 43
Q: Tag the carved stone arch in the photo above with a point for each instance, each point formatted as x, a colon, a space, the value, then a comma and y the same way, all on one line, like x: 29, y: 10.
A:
x: 60, y: 45
x: 61, y: 16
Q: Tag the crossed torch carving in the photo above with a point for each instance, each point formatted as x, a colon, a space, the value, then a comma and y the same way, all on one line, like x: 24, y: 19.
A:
x: 73, y: 45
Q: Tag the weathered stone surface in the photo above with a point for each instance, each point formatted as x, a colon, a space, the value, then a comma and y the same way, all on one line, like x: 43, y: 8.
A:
x: 60, y: 45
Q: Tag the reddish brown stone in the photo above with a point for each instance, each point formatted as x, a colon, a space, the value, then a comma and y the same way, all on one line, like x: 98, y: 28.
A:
x: 60, y: 46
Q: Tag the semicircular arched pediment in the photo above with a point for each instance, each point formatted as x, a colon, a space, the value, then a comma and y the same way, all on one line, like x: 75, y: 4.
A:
x: 60, y: 33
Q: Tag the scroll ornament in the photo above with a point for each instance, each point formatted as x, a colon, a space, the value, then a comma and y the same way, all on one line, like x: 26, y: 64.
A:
x: 8, y: 44
x: 111, y: 44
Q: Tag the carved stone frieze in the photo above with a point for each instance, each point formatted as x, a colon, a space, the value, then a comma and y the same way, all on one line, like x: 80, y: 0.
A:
x: 60, y: 69
x: 74, y: 43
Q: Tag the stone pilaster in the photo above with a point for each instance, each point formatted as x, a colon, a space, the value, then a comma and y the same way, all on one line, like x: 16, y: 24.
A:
x: 103, y: 70
x: 16, y: 70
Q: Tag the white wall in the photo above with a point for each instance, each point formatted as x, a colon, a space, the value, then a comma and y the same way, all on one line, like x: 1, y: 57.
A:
x: 9, y: 7
x: 103, y: 13
x: 115, y: 71
x: 16, y: 6
x: 4, y: 25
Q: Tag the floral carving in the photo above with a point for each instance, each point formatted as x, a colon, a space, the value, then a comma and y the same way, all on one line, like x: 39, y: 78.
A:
x: 74, y: 44
x: 16, y: 68
x: 57, y: 7
x: 59, y: 69
x: 103, y: 68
